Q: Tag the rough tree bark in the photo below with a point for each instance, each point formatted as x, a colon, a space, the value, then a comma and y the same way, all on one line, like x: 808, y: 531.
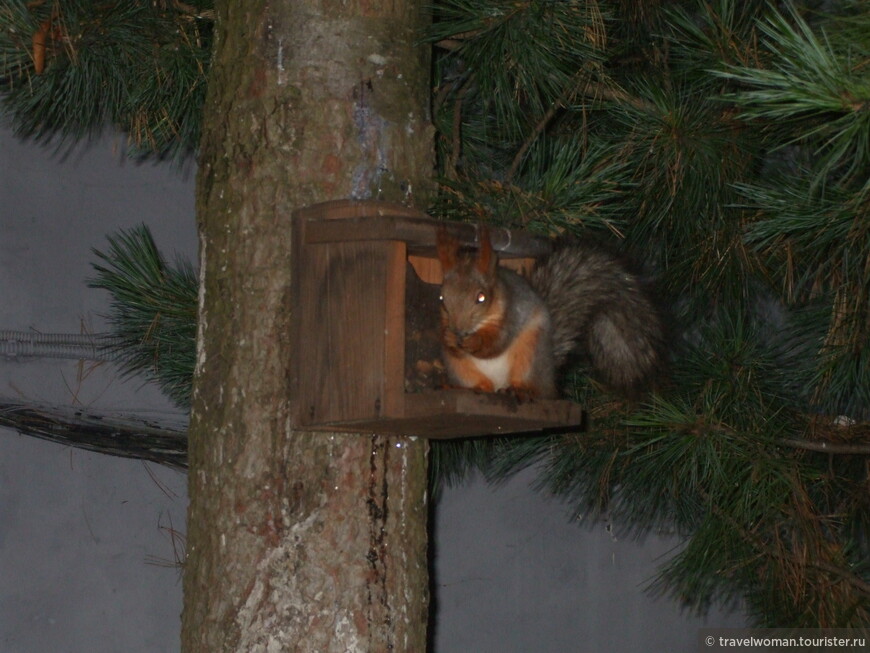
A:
x: 298, y: 541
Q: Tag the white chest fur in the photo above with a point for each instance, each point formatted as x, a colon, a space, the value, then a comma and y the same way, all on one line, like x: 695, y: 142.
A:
x: 496, y: 369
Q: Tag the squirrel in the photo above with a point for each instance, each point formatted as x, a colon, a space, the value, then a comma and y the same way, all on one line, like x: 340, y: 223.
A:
x: 503, y: 332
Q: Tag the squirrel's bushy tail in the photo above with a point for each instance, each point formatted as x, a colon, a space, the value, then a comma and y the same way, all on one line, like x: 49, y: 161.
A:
x: 601, y: 309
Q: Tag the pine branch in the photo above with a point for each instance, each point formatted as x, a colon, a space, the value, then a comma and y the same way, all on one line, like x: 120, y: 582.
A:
x: 563, y: 100
x: 791, y: 558
x: 70, y: 69
x: 84, y: 428
x: 523, y: 55
x: 153, y: 311
x: 817, y: 92
x: 846, y: 448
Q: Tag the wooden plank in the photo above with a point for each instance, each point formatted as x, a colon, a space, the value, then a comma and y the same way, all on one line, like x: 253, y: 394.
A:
x: 394, y: 328
x: 427, y: 268
x: 461, y: 413
x: 340, y: 308
x: 553, y: 413
x: 345, y: 209
x: 347, y: 220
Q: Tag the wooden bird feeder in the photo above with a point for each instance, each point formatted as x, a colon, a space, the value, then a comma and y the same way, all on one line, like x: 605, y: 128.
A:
x: 365, y: 339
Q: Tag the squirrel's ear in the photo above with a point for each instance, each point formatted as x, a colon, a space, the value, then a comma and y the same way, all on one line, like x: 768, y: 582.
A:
x: 448, y: 248
x: 486, y: 257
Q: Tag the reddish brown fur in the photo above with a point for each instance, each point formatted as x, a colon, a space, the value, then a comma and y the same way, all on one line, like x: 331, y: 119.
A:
x: 486, y: 348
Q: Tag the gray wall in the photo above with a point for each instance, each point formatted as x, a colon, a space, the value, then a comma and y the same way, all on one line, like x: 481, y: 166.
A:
x: 88, y: 542
x: 87, y: 551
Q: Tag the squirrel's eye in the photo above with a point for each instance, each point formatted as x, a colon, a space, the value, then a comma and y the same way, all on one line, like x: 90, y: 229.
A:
x: 441, y: 298
x: 481, y: 297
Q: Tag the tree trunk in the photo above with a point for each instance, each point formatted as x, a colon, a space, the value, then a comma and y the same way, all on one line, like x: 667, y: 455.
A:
x: 298, y: 541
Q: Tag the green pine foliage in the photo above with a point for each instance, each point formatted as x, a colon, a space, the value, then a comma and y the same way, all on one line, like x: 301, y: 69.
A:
x: 153, y: 311
x: 723, y: 145
x: 68, y: 69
